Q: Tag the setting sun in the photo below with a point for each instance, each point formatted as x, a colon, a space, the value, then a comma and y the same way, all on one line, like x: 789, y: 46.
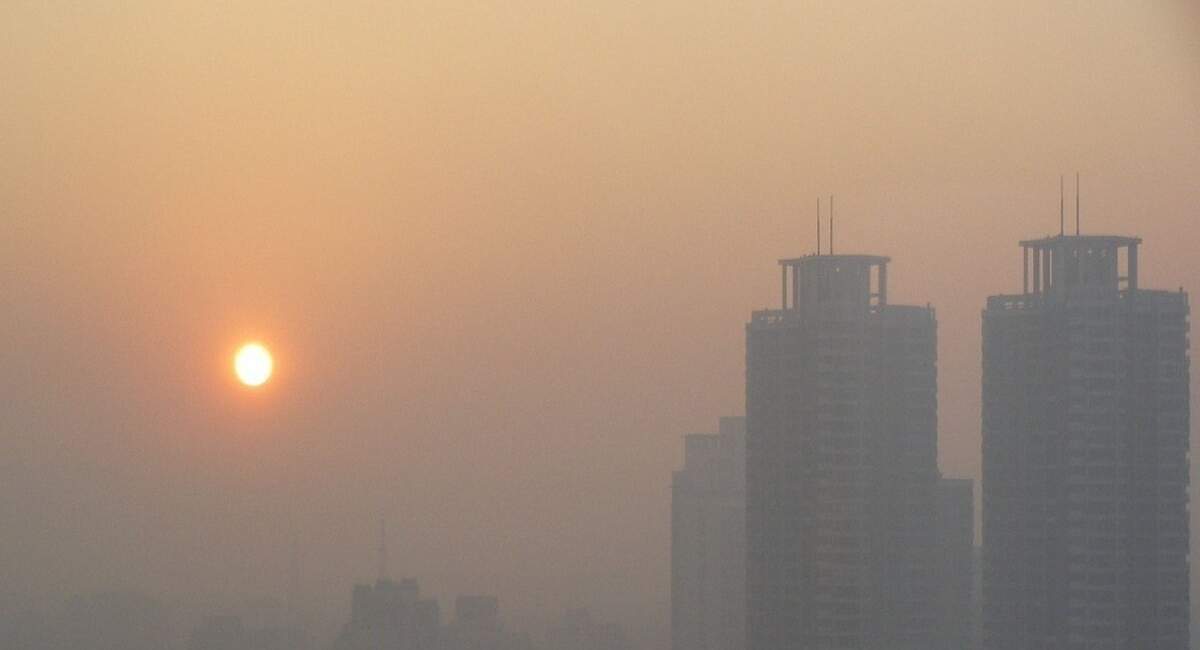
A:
x: 253, y: 364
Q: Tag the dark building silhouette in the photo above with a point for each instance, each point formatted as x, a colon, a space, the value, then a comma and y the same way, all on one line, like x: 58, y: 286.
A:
x: 841, y: 464
x: 390, y: 615
x: 708, y: 541
x: 1085, y: 454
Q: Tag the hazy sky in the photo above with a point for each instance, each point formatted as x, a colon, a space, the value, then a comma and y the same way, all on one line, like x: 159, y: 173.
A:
x: 504, y: 253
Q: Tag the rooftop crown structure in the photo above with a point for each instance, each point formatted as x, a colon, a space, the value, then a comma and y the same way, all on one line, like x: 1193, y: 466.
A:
x: 1066, y: 263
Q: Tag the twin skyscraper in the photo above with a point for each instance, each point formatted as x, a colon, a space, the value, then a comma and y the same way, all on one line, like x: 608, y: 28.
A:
x: 854, y: 540
x: 1085, y: 454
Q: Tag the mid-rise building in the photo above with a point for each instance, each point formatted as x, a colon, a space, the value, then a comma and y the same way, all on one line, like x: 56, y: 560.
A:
x: 1085, y: 454
x: 708, y: 541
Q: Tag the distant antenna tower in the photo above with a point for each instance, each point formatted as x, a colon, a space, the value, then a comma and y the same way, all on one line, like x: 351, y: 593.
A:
x: 1076, y: 204
x: 831, y: 224
x: 1061, y: 213
x: 383, y: 550
x: 818, y: 225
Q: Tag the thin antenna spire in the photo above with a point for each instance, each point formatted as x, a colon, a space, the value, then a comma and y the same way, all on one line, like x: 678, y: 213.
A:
x: 1076, y: 204
x: 383, y: 551
x: 818, y: 225
x: 831, y: 224
x: 1061, y: 208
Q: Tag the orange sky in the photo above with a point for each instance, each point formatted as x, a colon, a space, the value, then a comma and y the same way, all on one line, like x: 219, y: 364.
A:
x: 504, y: 252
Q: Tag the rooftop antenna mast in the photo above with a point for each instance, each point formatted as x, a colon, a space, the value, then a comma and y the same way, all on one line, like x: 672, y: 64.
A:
x: 1077, y: 203
x: 831, y: 224
x: 818, y: 225
x: 1061, y: 208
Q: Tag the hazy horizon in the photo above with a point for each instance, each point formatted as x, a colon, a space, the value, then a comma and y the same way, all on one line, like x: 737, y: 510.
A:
x: 504, y: 254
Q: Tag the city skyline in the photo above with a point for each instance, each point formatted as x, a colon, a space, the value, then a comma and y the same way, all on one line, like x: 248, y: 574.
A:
x: 1044, y: 275
x: 502, y: 256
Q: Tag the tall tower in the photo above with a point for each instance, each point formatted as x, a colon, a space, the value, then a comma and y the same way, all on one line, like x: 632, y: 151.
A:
x: 841, y: 463
x: 1085, y: 454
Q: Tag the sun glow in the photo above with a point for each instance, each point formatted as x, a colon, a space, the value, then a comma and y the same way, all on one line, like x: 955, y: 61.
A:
x: 253, y: 364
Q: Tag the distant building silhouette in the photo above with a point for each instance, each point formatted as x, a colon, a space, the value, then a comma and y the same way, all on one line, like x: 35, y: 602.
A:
x: 390, y: 615
x: 1085, y: 454
x: 977, y: 597
x: 842, y: 484
x: 956, y: 562
x: 230, y: 633
x: 708, y: 541
x: 578, y: 631
x: 219, y: 633
x: 477, y: 626
x: 103, y: 621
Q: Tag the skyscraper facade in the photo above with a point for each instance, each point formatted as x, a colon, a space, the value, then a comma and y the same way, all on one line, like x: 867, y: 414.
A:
x: 1085, y: 454
x: 841, y: 463
x: 708, y: 541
